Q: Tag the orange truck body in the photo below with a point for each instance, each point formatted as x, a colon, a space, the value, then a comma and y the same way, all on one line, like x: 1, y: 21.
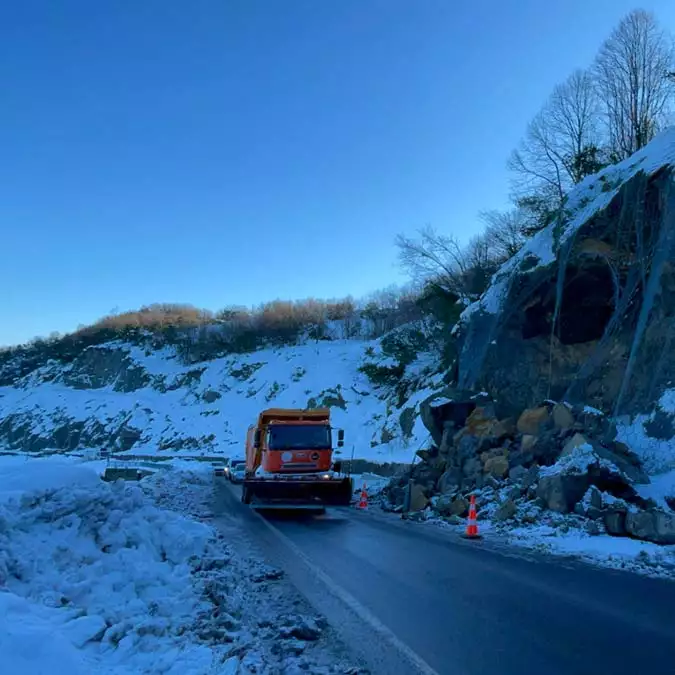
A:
x: 289, y: 461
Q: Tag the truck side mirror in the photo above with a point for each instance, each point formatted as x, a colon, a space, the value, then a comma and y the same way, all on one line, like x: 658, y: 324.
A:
x: 341, y: 438
x: 256, y: 439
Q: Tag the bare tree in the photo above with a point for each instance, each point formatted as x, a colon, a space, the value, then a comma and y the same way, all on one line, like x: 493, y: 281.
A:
x: 561, y: 145
x: 504, y: 232
x: 573, y: 115
x: 433, y: 257
x: 633, y: 74
x: 440, y: 259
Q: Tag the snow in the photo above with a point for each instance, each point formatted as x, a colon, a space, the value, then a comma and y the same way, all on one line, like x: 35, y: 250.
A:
x: 657, y: 454
x: 172, y: 414
x: 593, y: 411
x: 92, y: 573
x: 607, y: 551
x: 660, y: 487
x: 123, y: 579
x: 588, y: 198
x: 577, y: 461
x: 438, y: 402
x: 31, y: 642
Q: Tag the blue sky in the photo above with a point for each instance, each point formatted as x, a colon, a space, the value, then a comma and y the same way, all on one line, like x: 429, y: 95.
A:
x: 235, y: 151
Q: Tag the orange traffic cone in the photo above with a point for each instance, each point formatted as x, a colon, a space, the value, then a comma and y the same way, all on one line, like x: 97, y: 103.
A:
x: 471, y: 525
x: 363, y: 502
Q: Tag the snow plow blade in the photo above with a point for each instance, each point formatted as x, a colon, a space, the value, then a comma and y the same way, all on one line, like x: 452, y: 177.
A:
x: 279, y: 493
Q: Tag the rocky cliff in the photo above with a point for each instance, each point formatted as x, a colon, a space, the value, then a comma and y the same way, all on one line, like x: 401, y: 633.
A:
x: 585, y: 312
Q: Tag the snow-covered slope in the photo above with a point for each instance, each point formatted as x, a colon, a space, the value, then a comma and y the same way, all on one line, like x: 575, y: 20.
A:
x: 148, y: 401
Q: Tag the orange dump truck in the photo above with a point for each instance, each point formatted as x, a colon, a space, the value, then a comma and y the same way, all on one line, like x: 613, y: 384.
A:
x: 289, y: 461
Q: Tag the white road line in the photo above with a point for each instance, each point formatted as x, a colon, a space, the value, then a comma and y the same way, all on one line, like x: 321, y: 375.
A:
x: 348, y: 599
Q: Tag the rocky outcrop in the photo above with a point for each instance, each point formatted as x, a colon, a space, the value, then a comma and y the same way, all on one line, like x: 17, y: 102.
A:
x: 103, y: 366
x: 584, y: 312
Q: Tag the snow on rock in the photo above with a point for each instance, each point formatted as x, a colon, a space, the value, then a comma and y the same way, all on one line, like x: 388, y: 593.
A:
x: 588, y: 198
x: 652, y: 436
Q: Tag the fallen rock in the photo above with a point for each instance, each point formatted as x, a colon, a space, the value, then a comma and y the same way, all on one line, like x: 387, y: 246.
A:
x: 534, y: 421
x: 531, y: 477
x: 528, y: 442
x: 517, y: 473
x: 506, y: 510
x: 562, y: 416
x: 657, y: 526
x: 560, y: 491
x: 447, y: 506
x: 450, y: 480
x: 625, y: 459
x: 577, y: 441
x: 418, y: 499
x: 615, y: 522
x: 514, y: 492
x: 497, y: 466
x: 447, y: 408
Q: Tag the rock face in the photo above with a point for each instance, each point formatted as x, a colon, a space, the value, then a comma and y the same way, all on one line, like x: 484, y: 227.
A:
x: 591, y: 293
x: 656, y: 526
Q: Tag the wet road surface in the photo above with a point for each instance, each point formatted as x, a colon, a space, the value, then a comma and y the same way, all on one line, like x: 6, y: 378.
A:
x: 408, y: 599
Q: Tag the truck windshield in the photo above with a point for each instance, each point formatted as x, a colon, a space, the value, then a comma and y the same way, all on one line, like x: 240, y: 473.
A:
x: 297, y: 436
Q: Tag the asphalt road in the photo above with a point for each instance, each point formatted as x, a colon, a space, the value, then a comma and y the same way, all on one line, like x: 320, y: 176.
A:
x: 407, y: 598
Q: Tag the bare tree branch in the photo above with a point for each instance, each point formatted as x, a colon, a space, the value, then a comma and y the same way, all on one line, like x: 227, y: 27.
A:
x: 632, y: 71
x: 560, y: 142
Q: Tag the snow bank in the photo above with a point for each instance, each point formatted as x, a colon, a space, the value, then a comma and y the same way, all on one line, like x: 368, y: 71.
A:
x: 92, y: 573
x: 607, y: 551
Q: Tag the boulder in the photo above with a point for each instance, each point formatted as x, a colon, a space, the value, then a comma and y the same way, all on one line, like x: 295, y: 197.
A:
x: 531, y: 477
x: 562, y: 416
x: 528, y: 442
x: 577, y: 441
x: 418, y: 498
x: 497, y: 466
x: 506, y: 510
x: 449, y: 506
x: 517, y: 473
x: 560, y: 491
x: 657, y: 526
x: 450, y: 480
x: 625, y: 459
x: 515, y: 492
x: 534, y: 421
x: 615, y: 522
x: 446, y: 408
x: 471, y: 468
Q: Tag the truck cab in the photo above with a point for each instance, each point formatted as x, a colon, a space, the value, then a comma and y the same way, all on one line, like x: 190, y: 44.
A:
x: 289, y: 454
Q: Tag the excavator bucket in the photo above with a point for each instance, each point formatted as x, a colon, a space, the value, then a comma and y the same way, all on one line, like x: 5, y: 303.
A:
x: 297, y: 493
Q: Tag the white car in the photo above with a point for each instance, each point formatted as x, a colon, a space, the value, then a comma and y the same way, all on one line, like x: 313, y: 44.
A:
x: 237, y: 470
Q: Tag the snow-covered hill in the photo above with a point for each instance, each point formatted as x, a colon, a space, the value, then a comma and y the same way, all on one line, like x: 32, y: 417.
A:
x: 132, y: 397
